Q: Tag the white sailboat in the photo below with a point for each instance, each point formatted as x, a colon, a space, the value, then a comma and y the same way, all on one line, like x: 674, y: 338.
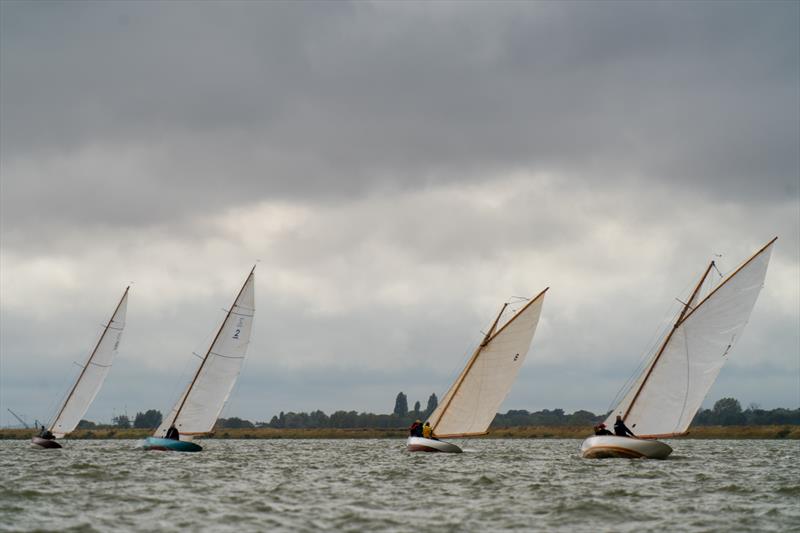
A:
x: 199, y: 406
x: 472, y: 402
x: 667, y: 394
x: 87, y: 385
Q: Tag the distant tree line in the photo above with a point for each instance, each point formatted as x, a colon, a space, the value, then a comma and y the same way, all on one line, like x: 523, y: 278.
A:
x: 726, y: 412
x: 401, y: 417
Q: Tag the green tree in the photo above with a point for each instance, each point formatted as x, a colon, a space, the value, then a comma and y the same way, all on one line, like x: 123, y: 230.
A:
x: 121, y: 421
x: 433, y: 403
x: 234, y: 422
x: 728, y: 412
x: 149, y: 419
x: 416, y: 408
x: 86, y: 424
x: 401, y: 405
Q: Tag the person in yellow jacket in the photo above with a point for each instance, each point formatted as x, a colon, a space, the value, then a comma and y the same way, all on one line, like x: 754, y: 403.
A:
x: 427, y: 432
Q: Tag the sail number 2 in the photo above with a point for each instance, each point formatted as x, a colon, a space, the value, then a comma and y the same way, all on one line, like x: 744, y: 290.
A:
x: 238, y: 329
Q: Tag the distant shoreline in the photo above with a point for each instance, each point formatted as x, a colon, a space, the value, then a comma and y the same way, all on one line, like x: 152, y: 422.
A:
x: 528, y: 432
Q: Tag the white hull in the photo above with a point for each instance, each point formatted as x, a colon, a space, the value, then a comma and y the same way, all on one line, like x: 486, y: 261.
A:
x: 602, y: 446
x: 421, y: 444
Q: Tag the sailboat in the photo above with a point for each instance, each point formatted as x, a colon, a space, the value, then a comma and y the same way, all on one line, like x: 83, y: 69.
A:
x: 92, y: 375
x: 665, y: 397
x: 199, y: 406
x: 472, y: 402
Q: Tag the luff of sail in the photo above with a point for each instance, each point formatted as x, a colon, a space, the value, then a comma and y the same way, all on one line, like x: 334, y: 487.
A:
x: 201, y: 403
x: 665, y: 398
x: 471, y: 404
x: 93, y: 373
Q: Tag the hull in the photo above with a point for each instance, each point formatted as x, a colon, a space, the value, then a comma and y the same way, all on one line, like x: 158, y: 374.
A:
x: 421, y: 444
x: 169, y: 445
x: 603, y: 446
x: 39, y: 443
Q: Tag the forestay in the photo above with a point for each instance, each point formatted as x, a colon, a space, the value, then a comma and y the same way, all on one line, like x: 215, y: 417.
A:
x: 92, y: 374
x: 673, y: 386
x: 201, y: 403
x: 472, y: 402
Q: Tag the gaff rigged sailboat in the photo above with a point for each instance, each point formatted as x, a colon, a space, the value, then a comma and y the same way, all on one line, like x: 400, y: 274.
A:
x: 201, y: 403
x: 664, y: 399
x: 89, y: 381
x: 472, y: 402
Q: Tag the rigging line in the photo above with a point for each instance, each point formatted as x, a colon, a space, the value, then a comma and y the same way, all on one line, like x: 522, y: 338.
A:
x: 660, y: 332
x: 688, y: 379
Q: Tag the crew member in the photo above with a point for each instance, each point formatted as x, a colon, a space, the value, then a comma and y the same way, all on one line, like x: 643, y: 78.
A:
x: 46, y: 434
x: 600, y: 429
x: 416, y: 429
x: 427, y: 432
x: 173, y: 433
x: 621, y: 430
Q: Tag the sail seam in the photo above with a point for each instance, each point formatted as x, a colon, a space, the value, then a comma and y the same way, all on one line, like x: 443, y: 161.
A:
x: 227, y: 356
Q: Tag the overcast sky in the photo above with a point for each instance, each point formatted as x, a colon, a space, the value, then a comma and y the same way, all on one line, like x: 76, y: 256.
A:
x: 399, y: 169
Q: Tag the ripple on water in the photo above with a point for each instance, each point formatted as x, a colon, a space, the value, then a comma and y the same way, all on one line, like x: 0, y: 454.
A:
x: 375, y: 485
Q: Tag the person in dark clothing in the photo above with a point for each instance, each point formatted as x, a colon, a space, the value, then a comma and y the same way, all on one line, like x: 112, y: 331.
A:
x: 46, y: 434
x: 173, y: 433
x: 621, y: 430
x: 416, y: 429
x: 600, y: 429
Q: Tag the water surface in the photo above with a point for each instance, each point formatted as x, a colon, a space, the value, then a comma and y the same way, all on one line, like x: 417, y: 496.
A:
x: 357, y: 485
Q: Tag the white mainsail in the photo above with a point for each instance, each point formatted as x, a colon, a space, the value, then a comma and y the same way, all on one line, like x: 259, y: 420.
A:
x: 666, y: 396
x: 93, y: 373
x: 201, y: 403
x: 472, y: 402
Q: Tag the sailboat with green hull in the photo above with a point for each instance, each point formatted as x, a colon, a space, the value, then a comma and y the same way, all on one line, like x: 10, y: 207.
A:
x: 199, y: 406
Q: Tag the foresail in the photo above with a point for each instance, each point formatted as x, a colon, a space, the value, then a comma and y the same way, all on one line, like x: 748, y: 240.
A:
x: 200, y: 405
x: 670, y: 393
x: 92, y: 374
x: 472, y: 402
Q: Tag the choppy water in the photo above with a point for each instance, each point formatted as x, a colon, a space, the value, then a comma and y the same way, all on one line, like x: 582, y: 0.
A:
x: 356, y: 485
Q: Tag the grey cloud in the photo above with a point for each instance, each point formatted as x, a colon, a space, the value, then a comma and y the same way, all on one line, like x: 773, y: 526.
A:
x: 400, y: 168
x: 223, y: 103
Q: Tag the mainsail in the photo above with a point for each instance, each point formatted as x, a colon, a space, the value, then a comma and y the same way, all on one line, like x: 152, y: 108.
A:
x: 666, y: 396
x: 471, y: 404
x: 201, y: 403
x: 93, y: 373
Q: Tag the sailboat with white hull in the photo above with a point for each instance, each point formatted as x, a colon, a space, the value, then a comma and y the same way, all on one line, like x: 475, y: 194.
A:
x: 199, y: 406
x: 87, y: 385
x: 667, y: 394
x: 472, y: 402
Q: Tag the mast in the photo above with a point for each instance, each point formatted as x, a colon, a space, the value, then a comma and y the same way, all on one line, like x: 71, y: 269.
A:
x: 460, y: 379
x: 730, y: 277
x: 686, y: 313
x: 490, y: 335
x: 89, y: 361
x: 219, y: 331
x: 663, y: 347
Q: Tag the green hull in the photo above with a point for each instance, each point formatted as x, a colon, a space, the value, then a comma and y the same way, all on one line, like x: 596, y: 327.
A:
x: 154, y: 443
